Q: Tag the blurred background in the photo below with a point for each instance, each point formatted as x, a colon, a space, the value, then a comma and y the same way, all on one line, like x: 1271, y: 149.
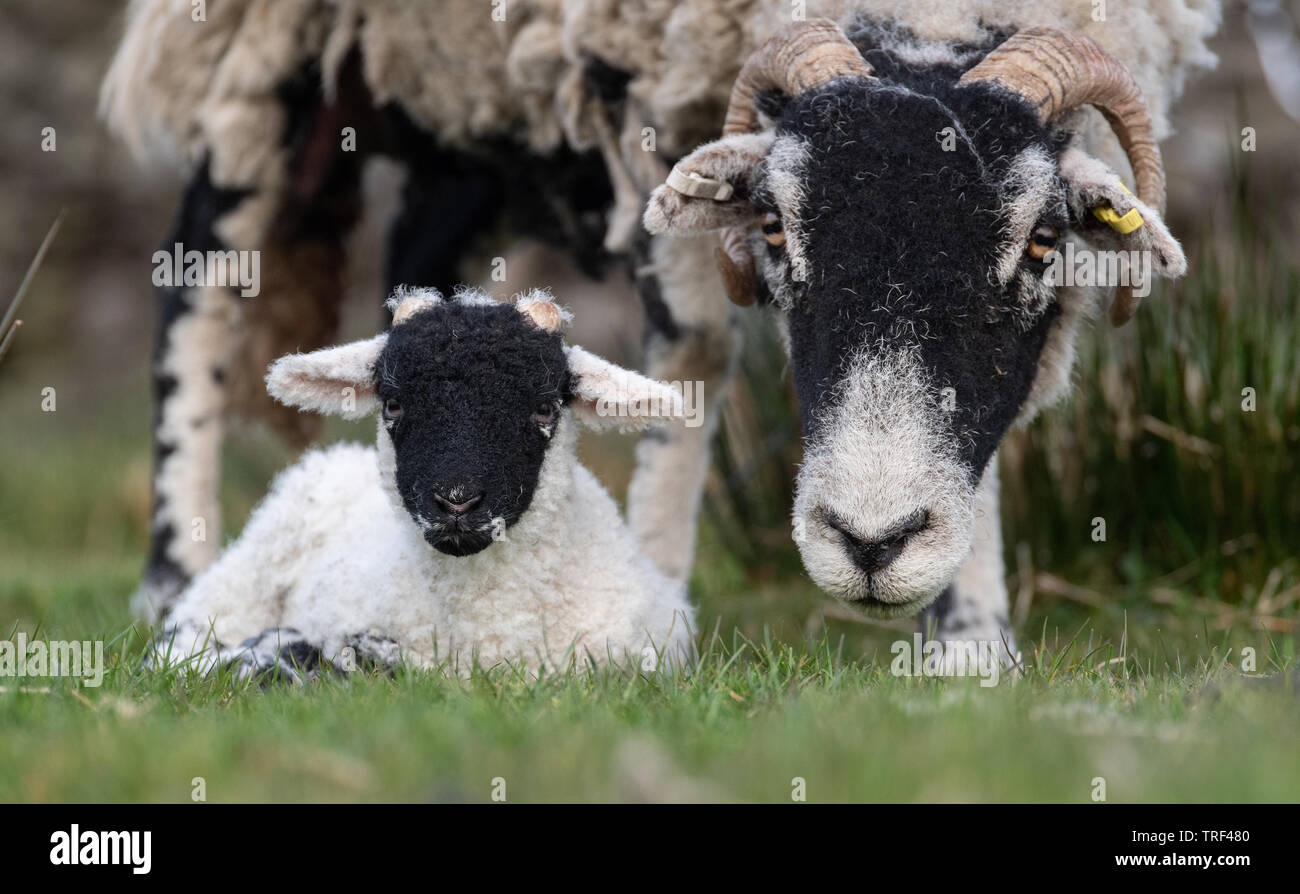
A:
x: 1201, y: 496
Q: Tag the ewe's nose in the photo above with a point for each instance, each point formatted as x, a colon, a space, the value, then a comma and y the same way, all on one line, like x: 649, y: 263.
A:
x: 876, y: 554
x: 452, y: 507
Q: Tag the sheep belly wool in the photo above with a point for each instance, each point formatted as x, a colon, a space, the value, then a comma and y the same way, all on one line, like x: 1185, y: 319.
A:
x: 176, y: 91
x: 328, y: 554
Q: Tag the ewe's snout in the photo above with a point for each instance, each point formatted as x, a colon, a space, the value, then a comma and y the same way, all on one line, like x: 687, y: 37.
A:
x: 885, y: 568
x: 872, y: 554
x: 884, y: 506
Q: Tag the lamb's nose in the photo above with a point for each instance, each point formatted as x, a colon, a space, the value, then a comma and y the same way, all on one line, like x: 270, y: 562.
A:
x: 452, y: 507
x: 876, y: 554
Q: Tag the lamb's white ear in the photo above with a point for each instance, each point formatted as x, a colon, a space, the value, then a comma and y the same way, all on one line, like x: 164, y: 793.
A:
x: 335, y: 381
x: 608, y: 396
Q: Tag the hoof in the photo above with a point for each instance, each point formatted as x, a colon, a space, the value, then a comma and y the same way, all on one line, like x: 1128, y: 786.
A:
x: 279, y: 654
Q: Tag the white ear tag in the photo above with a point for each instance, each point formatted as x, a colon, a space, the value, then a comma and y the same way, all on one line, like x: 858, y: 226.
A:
x: 698, y: 187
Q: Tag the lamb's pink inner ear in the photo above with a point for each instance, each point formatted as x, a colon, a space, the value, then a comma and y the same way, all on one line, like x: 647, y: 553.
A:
x: 334, y: 381
x: 608, y: 396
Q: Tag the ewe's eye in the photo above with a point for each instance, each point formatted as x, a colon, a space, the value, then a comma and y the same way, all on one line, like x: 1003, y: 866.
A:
x: 1042, y: 242
x: 544, y: 414
x: 773, y: 231
x: 392, y: 410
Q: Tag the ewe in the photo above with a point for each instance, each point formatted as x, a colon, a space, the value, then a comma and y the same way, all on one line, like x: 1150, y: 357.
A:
x: 469, y: 533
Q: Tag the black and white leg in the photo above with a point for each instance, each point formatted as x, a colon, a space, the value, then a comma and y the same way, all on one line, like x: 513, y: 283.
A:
x: 291, y: 213
x: 192, y: 349
x: 284, y: 653
x: 975, y: 607
x: 367, y: 652
x: 278, y: 653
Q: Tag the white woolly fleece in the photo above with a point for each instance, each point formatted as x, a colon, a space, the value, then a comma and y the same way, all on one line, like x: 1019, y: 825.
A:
x: 177, y: 88
x: 331, y: 553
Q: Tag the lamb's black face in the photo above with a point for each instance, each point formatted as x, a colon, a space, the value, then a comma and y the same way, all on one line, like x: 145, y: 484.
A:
x: 471, y: 395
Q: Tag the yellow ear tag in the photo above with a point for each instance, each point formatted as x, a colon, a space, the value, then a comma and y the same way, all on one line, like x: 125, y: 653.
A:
x: 1122, y: 225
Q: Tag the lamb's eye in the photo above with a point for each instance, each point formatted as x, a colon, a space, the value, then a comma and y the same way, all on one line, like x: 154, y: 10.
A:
x: 544, y: 414
x: 1042, y: 242
x: 773, y: 230
x: 392, y: 409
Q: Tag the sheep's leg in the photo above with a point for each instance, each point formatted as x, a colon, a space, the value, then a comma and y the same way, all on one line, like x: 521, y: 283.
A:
x: 187, y: 645
x: 369, y: 651
x: 274, y: 654
x: 213, y: 346
x: 975, y: 606
x: 192, y: 347
x: 284, y: 220
x: 690, y: 340
x: 447, y: 203
x: 277, y: 653
x: 284, y: 653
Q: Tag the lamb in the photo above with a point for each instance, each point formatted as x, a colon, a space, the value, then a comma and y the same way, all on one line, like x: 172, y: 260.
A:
x: 890, y: 181
x: 469, y: 536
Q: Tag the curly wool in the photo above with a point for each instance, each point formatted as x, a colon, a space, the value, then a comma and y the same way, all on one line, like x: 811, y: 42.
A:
x: 178, y: 89
x: 331, y: 553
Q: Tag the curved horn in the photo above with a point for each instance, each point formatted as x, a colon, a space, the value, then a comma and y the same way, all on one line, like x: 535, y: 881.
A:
x: 407, y: 302
x: 538, y: 308
x: 799, y: 57
x: 736, y: 264
x: 1055, y: 71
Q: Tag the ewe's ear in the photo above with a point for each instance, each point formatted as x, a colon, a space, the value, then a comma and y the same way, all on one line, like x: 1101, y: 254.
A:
x: 608, y: 396
x: 1107, y: 214
x: 710, y: 188
x: 1111, y: 218
x: 336, y: 381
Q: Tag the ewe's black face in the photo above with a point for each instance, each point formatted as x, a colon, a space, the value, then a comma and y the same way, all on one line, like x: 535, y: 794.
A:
x: 897, y: 241
x: 470, y: 395
x: 900, y: 233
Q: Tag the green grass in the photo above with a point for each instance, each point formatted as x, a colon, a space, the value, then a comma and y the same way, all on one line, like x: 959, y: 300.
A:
x: 788, y: 688
x: 1132, y: 647
x: 751, y: 720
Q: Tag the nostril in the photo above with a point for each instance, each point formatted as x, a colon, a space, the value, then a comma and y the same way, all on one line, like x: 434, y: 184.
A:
x: 453, y: 507
x: 913, y: 524
x: 876, y: 554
